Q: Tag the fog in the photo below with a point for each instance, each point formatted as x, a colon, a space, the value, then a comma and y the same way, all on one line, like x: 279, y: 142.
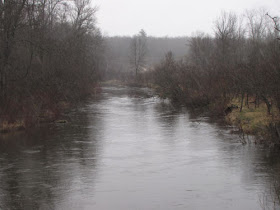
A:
x: 169, y: 18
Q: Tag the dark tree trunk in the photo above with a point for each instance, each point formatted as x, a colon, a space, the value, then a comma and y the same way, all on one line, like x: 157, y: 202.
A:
x: 242, y: 98
x: 268, y: 104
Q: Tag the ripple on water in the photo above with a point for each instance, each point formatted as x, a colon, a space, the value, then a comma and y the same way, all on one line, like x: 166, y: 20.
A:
x: 126, y: 149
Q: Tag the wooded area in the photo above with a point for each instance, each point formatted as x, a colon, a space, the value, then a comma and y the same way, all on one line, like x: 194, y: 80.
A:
x: 241, y: 60
x: 119, y: 54
x: 240, y: 63
x: 51, y: 51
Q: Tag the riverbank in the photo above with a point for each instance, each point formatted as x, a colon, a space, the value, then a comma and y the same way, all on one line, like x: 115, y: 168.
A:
x: 256, y: 121
x: 35, y: 111
x: 34, y: 116
x: 128, y: 83
x: 251, y: 120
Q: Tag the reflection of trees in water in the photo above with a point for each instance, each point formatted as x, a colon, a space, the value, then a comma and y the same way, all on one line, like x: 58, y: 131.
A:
x: 38, y: 170
x: 167, y: 114
x: 130, y: 92
x: 259, y: 166
x: 168, y: 118
x: 42, y: 169
x: 270, y: 197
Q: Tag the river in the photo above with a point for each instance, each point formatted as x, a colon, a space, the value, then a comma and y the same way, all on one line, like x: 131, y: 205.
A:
x: 127, y: 149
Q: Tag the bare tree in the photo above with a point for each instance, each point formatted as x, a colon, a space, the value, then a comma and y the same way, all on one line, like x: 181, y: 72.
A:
x: 138, y: 51
x: 276, y: 24
x: 11, y: 16
x: 50, y: 50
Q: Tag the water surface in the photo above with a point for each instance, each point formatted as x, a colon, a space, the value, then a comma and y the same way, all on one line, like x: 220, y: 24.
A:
x: 127, y: 149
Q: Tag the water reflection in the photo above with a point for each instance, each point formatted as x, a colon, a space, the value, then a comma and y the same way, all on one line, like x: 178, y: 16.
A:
x: 127, y: 149
x: 41, y: 169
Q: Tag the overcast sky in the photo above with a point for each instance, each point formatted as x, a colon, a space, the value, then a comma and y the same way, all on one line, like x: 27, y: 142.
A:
x: 169, y: 17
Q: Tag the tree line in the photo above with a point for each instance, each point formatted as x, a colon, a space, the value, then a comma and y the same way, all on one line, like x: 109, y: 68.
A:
x: 240, y: 61
x: 122, y: 51
x: 50, y: 51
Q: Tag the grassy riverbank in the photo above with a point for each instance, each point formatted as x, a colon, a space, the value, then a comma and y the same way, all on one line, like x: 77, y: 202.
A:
x: 256, y: 121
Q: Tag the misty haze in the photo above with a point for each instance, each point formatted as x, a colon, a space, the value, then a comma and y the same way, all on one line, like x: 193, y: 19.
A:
x: 120, y: 105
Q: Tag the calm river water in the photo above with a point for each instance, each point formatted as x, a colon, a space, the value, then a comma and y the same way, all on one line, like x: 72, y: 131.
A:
x: 129, y: 150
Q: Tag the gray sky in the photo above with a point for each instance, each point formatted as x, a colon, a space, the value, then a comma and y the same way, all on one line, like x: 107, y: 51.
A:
x: 169, y: 17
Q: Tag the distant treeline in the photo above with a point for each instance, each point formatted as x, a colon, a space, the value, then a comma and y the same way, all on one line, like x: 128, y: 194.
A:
x: 241, y: 61
x: 118, y: 52
x: 50, y: 51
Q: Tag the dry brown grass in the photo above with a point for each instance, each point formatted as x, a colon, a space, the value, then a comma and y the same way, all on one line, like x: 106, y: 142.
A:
x: 253, y: 120
x: 6, y: 127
